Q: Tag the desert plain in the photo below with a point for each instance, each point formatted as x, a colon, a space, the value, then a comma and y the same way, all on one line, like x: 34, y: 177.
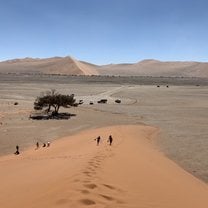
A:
x: 159, y: 152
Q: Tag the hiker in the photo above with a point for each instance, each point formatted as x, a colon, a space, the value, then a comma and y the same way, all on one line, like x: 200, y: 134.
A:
x: 48, y: 144
x: 98, y: 140
x: 37, y: 145
x: 44, y: 144
x: 17, y: 150
x: 110, y: 140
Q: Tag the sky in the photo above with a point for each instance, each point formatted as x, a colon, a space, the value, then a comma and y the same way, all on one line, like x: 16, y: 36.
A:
x: 105, y: 31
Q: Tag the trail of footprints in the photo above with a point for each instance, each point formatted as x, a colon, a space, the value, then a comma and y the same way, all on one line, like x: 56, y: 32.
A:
x: 91, y: 187
x: 92, y: 192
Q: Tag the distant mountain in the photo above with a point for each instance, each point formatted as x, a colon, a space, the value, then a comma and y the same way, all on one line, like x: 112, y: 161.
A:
x: 71, y: 66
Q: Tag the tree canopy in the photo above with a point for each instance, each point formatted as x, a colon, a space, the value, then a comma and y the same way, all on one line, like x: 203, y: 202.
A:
x: 54, y: 100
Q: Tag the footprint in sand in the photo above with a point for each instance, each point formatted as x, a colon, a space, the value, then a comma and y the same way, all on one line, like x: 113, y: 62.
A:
x: 98, y: 160
x: 87, y: 173
x: 90, y: 186
x: 109, y: 198
x: 87, y: 201
x: 109, y: 186
x: 91, y: 169
x: 95, y: 165
x: 113, y: 188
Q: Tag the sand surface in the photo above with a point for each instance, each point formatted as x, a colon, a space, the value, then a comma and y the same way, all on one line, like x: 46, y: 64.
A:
x: 74, y: 172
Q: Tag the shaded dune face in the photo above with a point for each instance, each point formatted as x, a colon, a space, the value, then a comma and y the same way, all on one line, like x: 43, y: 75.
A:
x: 70, y: 66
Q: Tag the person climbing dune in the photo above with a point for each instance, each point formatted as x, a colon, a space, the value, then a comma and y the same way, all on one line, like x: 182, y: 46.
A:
x: 110, y: 140
x: 98, y: 140
x: 37, y: 145
x: 17, y: 150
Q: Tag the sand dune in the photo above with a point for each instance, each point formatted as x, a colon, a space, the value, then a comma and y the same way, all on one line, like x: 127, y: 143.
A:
x: 157, y: 68
x: 55, y: 65
x: 71, y: 66
x: 74, y: 172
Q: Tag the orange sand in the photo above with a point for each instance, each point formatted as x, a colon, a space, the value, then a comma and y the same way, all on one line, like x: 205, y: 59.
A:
x: 74, y: 172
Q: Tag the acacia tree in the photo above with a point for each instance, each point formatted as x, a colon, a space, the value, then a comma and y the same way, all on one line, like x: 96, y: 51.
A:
x: 52, y: 99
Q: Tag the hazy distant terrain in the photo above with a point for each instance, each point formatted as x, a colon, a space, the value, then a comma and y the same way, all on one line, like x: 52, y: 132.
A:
x: 71, y: 66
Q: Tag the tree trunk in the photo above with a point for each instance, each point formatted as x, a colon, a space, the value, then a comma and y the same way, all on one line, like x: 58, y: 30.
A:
x: 56, y: 109
x: 49, y: 109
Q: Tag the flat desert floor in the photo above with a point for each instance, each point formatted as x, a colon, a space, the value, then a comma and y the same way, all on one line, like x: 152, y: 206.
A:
x: 178, y: 112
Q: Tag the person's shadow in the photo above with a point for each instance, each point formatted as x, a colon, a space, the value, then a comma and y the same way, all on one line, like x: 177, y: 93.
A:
x: 17, y: 152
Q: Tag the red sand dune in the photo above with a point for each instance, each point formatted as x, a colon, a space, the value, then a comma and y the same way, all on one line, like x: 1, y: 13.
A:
x: 55, y: 65
x: 74, y: 172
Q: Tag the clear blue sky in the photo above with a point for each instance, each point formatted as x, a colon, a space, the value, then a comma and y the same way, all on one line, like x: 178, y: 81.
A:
x: 105, y: 31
